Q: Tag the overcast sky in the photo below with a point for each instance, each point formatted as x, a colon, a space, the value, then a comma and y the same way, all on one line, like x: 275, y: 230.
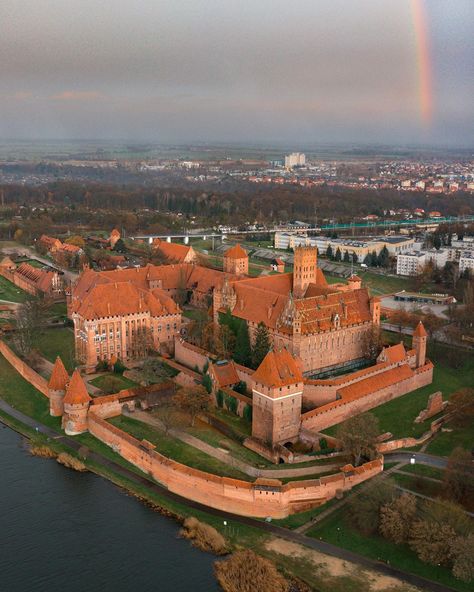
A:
x: 234, y: 70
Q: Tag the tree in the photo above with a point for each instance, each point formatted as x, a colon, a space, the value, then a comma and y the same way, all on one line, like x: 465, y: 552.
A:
x: 396, y: 518
x: 461, y: 407
x: 364, y: 507
x: 384, y: 257
x: 358, y: 437
x: 346, y: 258
x: 338, y: 255
x: 224, y: 341
x: 207, y: 383
x: 459, y: 475
x: 462, y: 553
x: 355, y: 259
x: 372, y: 343
x: 432, y: 541
x: 243, y: 349
x: 261, y: 346
x: 437, y: 241
x: 119, y: 246
x: 76, y: 240
x: 192, y: 400
x: 29, y: 320
x: 329, y: 252
x: 168, y: 415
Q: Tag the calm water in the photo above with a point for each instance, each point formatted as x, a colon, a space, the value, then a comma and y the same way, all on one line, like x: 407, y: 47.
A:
x: 62, y: 530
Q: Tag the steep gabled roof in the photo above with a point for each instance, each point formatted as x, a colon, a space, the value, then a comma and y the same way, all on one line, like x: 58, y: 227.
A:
x: 394, y: 353
x: 59, y: 377
x: 225, y: 373
x: 76, y: 392
x: 278, y: 368
x: 236, y: 252
x: 173, y: 252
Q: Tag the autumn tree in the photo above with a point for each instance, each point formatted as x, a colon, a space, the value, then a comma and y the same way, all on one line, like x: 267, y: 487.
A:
x: 76, y: 240
x: 459, y: 475
x: 192, y: 400
x: 372, y: 343
x: 396, y: 518
x: 364, y: 506
x: 358, y: 437
x: 431, y: 541
x: 261, y: 345
x: 461, y: 407
x: 462, y: 554
x: 29, y: 320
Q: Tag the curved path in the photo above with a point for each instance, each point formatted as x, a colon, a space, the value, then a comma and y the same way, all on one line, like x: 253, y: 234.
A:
x: 278, y: 531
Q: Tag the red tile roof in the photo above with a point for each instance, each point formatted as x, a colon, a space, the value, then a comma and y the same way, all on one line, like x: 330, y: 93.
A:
x: 420, y: 330
x: 59, y: 376
x: 236, y: 252
x: 225, y: 373
x: 278, y: 368
x: 394, y: 353
x: 76, y: 392
x: 173, y: 252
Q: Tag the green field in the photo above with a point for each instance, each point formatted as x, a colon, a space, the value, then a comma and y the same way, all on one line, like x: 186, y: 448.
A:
x: 56, y: 342
x: 124, y: 383
x: 336, y: 529
x: 11, y: 293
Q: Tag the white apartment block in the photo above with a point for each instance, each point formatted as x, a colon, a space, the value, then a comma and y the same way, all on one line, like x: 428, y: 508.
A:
x: 295, y: 159
x: 410, y: 263
x: 438, y: 257
x: 466, y: 261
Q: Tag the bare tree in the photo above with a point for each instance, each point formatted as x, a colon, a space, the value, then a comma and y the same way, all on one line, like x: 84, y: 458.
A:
x: 192, y: 400
x: 358, y: 437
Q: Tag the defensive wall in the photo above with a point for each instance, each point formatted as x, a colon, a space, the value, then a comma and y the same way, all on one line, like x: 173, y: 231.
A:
x: 24, y: 370
x: 262, y: 498
x: 340, y: 410
x: 190, y: 355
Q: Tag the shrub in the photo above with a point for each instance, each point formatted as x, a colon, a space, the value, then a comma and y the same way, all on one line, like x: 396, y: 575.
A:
x: 431, y: 541
x: 396, y: 518
x: 231, y: 403
x: 241, y: 387
x: 323, y: 444
x: 204, y: 536
x: 207, y: 383
x: 102, y: 366
x: 248, y: 413
x: 462, y: 552
x: 220, y: 398
x: 119, y: 367
x: 244, y: 571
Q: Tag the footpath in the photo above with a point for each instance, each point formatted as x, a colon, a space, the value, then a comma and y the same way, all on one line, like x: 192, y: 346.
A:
x: 269, y: 528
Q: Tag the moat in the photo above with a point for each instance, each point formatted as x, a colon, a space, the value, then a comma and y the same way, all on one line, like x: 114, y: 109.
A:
x: 65, y: 530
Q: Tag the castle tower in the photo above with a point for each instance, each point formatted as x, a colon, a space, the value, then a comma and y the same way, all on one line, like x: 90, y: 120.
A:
x: 236, y: 261
x: 304, y: 269
x: 114, y: 237
x: 420, y: 337
x: 355, y: 283
x: 375, y: 310
x: 76, y: 406
x: 57, y: 388
x: 277, y: 398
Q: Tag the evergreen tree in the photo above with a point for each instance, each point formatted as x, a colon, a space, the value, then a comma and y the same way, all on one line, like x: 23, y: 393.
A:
x: 338, y: 256
x: 367, y: 259
x: 243, y: 349
x: 119, y: 246
x: 384, y: 257
x: 373, y: 259
x: 437, y: 241
x: 355, y: 259
x: 261, y: 346
x: 346, y: 257
x: 329, y: 253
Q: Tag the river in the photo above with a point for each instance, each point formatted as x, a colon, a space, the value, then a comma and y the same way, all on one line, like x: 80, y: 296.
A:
x: 62, y: 530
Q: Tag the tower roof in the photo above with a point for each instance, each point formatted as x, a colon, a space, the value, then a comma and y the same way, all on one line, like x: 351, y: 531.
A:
x: 420, y: 331
x: 59, y: 376
x: 236, y: 252
x: 76, y: 391
x: 354, y: 278
x: 278, y: 368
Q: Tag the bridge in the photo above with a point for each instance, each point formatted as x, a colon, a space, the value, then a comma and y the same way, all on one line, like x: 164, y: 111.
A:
x: 380, y: 225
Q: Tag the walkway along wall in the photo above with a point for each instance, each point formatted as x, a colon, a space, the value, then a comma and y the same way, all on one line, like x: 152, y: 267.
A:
x: 264, y: 497
x: 24, y: 370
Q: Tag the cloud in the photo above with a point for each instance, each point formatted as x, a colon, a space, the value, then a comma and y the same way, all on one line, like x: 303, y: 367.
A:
x: 79, y: 95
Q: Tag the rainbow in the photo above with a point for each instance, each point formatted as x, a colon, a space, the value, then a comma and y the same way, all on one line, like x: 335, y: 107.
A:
x: 424, y: 61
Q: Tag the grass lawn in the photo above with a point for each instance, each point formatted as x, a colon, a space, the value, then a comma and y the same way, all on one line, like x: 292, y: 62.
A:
x: 125, y: 383
x: 58, y: 309
x: 10, y: 292
x: 19, y: 393
x: 445, y: 442
x: 337, y: 529
x: 176, y: 449
x: 424, y: 470
x: 194, y: 314
x: 56, y: 342
x: 238, y: 424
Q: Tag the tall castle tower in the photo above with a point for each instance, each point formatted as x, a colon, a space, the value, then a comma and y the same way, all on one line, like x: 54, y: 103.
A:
x: 57, y: 388
x: 277, y: 398
x: 420, y: 337
x: 304, y: 269
x: 76, y: 406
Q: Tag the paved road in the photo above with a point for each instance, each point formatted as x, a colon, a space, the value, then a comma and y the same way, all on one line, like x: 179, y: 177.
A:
x: 278, y: 531
x: 420, y: 457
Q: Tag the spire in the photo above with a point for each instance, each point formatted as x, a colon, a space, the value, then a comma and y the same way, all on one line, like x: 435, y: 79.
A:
x: 420, y: 331
x: 76, y: 391
x: 59, y: 376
